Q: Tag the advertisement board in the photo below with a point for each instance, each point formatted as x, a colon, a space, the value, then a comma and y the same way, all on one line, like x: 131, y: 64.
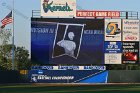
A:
x: 91, y: 13
x: 58, y: 8
x: 67, y: 41
x: 68, y: 68
x: 130, y: 52
x: 113, y: 58
x: 113, y: 47
x: 113, y: 30
x: 130, y: 30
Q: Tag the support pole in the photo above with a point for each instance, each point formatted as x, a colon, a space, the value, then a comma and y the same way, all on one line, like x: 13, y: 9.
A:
x: 13, y: 46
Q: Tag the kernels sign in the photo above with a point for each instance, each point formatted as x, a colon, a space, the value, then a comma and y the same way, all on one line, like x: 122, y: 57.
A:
x: 58, y: 8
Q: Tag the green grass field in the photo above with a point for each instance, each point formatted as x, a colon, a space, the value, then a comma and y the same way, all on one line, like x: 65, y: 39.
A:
x: 70, y: 89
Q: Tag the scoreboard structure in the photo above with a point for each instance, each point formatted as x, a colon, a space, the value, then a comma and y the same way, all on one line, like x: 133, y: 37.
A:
x: 76, y: 41
x: 67, y: 44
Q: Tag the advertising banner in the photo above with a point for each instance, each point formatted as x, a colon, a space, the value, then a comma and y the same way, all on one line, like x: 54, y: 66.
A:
x: 68, y: 68
x: 104, y: 14
x: 113, y: 30
x: 130, y: 52
x: 67, y: 41
x: 68, y: 76
x: 113, y: 47
x: 58, y: 8
x: 113, y: 58
x: 130, y: 30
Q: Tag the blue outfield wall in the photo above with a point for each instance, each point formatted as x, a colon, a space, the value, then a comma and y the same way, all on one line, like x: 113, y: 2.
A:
x: 100, y: 78
x: 124, y: 76
x: 90, y: 76
x: 65, y: 75
x: 85, y: 76
x: 10, y: 77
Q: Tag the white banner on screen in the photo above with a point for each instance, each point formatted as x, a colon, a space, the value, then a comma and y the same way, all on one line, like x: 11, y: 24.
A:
x: 113, y: 58
x: 58, y: 8
x: 130, y: 30
x: 113, y: 30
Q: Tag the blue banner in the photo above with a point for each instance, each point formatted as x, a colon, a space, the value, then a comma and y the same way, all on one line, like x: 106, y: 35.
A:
x: 68, y: 76
x: 113, y: 47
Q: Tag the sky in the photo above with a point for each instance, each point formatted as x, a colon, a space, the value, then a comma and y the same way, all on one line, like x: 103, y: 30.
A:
x: 23, y: 13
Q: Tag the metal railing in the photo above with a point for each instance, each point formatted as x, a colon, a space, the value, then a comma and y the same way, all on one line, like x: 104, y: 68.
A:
x: 36, y: 13
x: 129, y: 15
x: 123, y: 14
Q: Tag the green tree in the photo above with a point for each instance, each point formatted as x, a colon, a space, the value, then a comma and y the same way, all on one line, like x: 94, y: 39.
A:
x: 5, y: 35
x: 22, y: 61
x: 22, y: 58
x: 5, y: 50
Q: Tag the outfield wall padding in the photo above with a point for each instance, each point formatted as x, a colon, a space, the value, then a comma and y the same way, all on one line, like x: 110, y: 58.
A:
x: 9, y: 77
x: 114, y: 76
x: 124, y: 76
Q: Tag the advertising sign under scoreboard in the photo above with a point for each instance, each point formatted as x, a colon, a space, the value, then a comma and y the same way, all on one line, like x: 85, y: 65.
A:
x: 58, y: 8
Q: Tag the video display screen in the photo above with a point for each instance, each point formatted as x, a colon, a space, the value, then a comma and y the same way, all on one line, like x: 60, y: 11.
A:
x: 67, y: 41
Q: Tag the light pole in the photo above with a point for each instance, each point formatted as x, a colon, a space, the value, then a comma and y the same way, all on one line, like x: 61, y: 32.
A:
x: 13, y: 52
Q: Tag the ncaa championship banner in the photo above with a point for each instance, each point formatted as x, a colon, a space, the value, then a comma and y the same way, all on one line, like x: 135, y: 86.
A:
x: 130, y: 30
x: 69, y: 74
x: 113, y: 30
x: 58, y: 8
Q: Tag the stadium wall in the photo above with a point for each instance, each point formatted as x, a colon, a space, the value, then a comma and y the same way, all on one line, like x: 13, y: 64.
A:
x: 12, y: 77
x: 124, y: 76
x: 114, y: 76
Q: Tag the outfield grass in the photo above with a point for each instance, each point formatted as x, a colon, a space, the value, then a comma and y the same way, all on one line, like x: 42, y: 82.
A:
x: 71, y: 89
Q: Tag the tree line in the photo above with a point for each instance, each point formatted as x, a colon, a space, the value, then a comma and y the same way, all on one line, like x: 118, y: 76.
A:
x: 21, y: 55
